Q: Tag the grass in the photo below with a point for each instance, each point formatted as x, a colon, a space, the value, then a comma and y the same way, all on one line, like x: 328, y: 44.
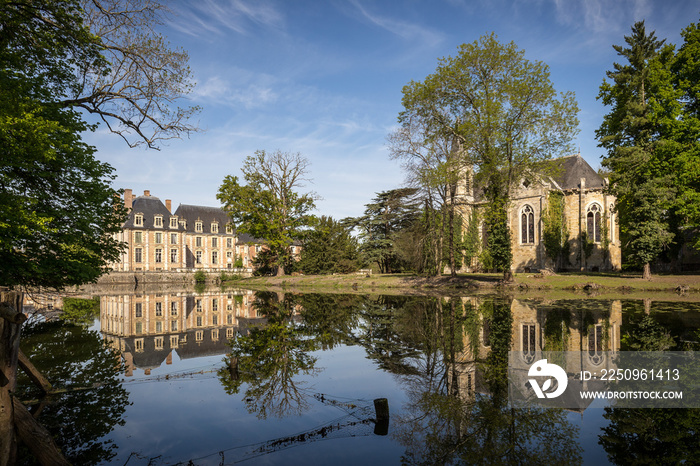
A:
x: 598, y: 284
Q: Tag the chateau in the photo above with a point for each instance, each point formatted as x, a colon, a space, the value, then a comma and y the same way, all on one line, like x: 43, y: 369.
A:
x: 591, y: 229
x: 192, y: 237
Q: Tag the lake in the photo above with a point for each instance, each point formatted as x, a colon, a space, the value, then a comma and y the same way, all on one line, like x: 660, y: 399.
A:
x: 229, y: 376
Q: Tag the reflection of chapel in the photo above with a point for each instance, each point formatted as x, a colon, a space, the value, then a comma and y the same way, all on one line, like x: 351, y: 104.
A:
x: 587, y: 208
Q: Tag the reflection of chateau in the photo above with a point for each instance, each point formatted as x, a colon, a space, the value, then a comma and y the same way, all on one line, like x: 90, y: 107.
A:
x: 148, y: 328
x: 585, y: 328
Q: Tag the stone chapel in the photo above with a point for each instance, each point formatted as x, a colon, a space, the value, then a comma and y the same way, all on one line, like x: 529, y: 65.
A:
x: 588, y: 211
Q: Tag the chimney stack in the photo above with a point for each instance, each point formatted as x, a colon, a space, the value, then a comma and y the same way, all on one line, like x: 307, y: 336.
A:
x: 128, y: 198
x: 146, y: 192
x: 169, y: 205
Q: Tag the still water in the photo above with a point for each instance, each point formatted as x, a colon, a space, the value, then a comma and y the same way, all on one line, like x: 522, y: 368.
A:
x: 235, y: 376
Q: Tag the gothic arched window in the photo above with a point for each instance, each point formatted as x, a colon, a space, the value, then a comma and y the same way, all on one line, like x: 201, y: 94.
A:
x: 527, y: 225
x: 593, y: 222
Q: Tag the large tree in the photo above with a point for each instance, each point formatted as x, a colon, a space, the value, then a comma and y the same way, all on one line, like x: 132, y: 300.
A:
x: 639, y: 178
x: 57, y: 207
x: 268, y: 206
x: 500, y: 113
x: 329, y: 248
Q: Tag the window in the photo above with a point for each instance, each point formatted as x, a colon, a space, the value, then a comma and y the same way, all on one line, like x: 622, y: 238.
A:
x: 229, y: 319
x: 159, y: 309
x: 138, y: 310
x: 198, y: 256
x: 529, y: 347
x: 173, y: 255
x: 199, y: 335
x: 214, y: 257
x: 198, y: 305
x: 198, y: 241
x: 138, y: 345
x: 173, y: 238
x: 138, y: 255
x: 229, y: 333
x: 229, y: 242
x: 159, y: 256
x: 527, y: 225
x: 595, y: 344
x: 214, y: 227
x: 173, y: 325
x: 215, y: 334
x: 158, y: 342
x: 159, y: 327
x: 173, y: 341
x: 215, y: 319
x: 612, y: 223
x: 138, y: 220
x: 158, y: 221
x: 159, y: 238
x: 173, y: 222
x: 138, y: 237
x: 215, y: 242
x: 138, y: 327
x: 173, y: 308
x: 199, y: 321
x: 593, y: 222
x: 215, y: 304
x: 198, y: 226
x: 229, y: 230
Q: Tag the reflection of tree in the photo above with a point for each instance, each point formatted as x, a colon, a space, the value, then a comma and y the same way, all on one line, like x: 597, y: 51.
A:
x: 650, y: 436
x: 447, y: 423
x: 71, y: 356
x: 268, y: 359
x: 329, y: 318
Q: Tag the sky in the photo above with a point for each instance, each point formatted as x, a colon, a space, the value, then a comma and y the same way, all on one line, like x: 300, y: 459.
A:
x: 324, y: 78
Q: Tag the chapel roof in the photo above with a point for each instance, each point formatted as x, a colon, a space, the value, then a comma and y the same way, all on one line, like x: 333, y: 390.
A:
x: 568, y: 171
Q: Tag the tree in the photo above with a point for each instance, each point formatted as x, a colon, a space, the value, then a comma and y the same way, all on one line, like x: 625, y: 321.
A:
x: 268, y: 206
x: 390, y: 212
x: 329, y: 248
x: 502, y: 114
x: 639, y: 180
x: 57, y: 209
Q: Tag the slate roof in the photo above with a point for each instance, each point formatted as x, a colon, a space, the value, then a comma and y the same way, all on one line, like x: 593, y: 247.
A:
x: 149, y: 206
x: 208, y: 215
x: 568, y: 171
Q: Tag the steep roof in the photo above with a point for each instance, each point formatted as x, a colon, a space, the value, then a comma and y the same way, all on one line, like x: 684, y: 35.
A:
x: 149, y: 207
x: 568, y: 171
x: 207, y: 215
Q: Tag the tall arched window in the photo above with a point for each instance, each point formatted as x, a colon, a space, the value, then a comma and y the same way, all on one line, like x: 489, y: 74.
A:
x: 593, y: 222
x: 527, y: 225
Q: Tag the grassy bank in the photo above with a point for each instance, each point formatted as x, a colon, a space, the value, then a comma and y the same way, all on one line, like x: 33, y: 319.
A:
x: 598, y: 284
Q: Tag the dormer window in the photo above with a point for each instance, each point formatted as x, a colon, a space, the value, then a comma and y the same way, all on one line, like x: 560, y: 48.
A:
x: 214, y: 227
x: 158, y: 221
x: 229, y: 229
x: 173, y: 222
x: 198, y: 226
x: 138, y: 220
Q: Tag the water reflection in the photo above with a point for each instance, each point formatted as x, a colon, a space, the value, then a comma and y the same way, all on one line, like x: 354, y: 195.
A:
x: 447, y: 356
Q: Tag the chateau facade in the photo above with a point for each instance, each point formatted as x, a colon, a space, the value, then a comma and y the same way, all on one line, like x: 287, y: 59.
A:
x: 192, y: 237
x: 592, y: 234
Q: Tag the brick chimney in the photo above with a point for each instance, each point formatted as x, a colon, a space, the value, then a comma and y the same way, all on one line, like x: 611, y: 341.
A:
x: 146, y: 192
x: 169, y: 205
x: 128, y: 199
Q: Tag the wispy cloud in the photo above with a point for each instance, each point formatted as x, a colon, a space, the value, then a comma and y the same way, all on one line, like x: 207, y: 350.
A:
x: 403, y: 29
x: 244, y: 89
x: 601, y: 16
x: 206, y: 17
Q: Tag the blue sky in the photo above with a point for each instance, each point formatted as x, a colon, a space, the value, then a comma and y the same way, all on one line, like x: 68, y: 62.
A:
x: 324, y: 78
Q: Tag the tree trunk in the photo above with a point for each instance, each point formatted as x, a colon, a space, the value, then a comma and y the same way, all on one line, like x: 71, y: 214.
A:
x: 280, y: 270
x: 646, y: 275
x: 10, y: 302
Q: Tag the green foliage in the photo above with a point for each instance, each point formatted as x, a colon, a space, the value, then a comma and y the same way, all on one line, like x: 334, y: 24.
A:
x: 80, y: 311
x: 268, y: 206
x: 491, y: 109
x: 200, y: 276
x: 329, y: 248
x: 471, y: 240
x: 498, y: 236
x: 555, y: 233
x: 389, y: 213
x: 640, y: 177
x: 81, y: 421
x: 57, y: 209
